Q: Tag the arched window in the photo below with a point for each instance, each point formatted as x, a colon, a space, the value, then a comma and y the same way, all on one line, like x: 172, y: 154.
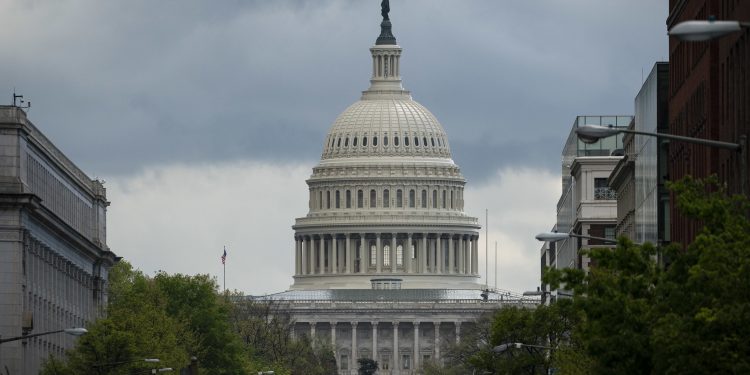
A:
x: 385, y: 141
x: 416, y: 141
x: 355, y: 142
x: 451, y: 199
x: 373, y: 255
x: 424, y: 198
x: 348, y: 199
x: 399, y: 255
x: 412, y: 198
x: 434, y: 199
x: 424, y: 141
x: 373, y: 198
x: 386, y: 255
x: 346, y: 142
x: 338, y: 144
x: 386, y: 198
x: 439, y: 144
x: 320, y: 200
x: 364, y: 141
x: 338, y: 199
x: 395, y: 141
x: 433, y: 141
x: 360, y: 198
x: 399, y: 198
x: 444, y: 199
x: 375, y: 141
x: 328, y: 199
x: 406, y: 141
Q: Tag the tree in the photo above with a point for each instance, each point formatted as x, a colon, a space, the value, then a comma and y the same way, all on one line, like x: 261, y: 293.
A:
x: 367, y: 366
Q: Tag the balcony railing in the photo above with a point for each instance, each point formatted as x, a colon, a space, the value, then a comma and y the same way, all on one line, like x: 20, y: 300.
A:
x: 604, y: 193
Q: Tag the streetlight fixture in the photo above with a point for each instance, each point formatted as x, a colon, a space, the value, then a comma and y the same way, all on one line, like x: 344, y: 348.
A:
x: 78, y: 331
x: 592, y: 133
x: 558, y: 236
x: 518, y: 345
x: 699, y: 31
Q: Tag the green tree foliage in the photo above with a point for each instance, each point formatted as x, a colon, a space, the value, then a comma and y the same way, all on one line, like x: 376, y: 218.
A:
x: 692, y: 316
x: 167, y: 317
x: 367, y: 366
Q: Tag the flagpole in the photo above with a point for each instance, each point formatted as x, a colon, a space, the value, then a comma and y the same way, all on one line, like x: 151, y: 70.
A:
x: 224, y: 265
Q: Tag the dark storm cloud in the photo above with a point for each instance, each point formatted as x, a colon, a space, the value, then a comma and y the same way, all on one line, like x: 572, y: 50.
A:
x: 123, y: 85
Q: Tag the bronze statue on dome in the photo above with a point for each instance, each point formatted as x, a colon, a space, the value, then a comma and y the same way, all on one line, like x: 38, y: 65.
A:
x: 384, y: 9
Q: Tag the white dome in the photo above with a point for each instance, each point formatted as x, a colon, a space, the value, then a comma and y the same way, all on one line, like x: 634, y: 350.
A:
x: 386, y: 127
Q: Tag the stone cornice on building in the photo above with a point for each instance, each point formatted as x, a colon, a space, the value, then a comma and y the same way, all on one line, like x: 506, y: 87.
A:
x: 405, y: 220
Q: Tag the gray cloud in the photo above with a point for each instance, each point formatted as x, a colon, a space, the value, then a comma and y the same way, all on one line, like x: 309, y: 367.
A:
x: 120, y: 86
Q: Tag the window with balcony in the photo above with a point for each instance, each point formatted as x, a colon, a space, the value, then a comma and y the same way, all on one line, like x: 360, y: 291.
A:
x: 602, y: 190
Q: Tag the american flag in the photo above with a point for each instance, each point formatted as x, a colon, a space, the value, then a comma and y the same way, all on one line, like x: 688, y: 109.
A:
x: 224, y: 256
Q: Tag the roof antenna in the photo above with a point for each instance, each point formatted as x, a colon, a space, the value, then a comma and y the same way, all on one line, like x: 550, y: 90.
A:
x: 19, y: 102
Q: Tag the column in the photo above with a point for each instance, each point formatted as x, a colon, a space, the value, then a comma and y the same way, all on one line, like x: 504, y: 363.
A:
x: 458, y: 332
x: 423, y: 254
x: 374, y: 340
x: 416, y: 346
x: 451, y: 258
x: 409, y: 256
x: 460, y: 251
x: 353, y: 359
x: 437, y: 341
x: 335, y: 252
x: 364, y: 255
x: 303, y: 250
x: 349, y: 254
x: 393, y: 253
x: 467, y: 252
x: 296, y: 256
x: 474, y: 256
x: 439, y: 254
x: 378, y: 254
x: 394, y: 368
x: 321, y: 254
x: 333, y: 339
x: 312, y: 331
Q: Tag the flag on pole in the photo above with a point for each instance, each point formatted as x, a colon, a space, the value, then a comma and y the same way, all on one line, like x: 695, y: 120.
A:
x: 224, y: 256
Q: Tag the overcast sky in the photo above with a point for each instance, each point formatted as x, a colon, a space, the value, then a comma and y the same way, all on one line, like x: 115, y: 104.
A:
x: 194, y: 110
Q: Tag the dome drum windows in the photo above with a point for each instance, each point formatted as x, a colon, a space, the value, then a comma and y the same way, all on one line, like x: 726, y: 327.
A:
x: 399, y: 198
x: 395, y: 141
x: 406, y: 141
x: 416, y: 141
x: 354, y: 143
x: 385, y: 141
x: 348, y: 199
x: 364, y: 142
x: 386, y: 198
x: 412, y: 198
x: 424, y: 198
x: 373, y: 198
x: 375, y: 141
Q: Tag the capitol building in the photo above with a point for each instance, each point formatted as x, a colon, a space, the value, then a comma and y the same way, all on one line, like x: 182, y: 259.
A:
x: 386, y: 259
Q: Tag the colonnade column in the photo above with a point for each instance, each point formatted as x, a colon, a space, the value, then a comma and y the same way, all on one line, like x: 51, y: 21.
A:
x: 378, y: 254
x: 474, y: 256
x: 335, y: 251
x: 467, y: 245
x: 303, y: 256
x: 461, y: 256
x: 393, y: 253
x: 374, y: 341
x: 349, y: 254
x: 423, y: 254
x: 364, y: 254
x: 296, y: 256
x: 321, y: 254
x: 416, y: 345
x: 353, y: 359
x: 437, y: 341
x: 395, y: 347
x: 410, y: 252
x: 451, y: 257
x: 458, y: 332
x: 333, y: 339
x: 439, y: 254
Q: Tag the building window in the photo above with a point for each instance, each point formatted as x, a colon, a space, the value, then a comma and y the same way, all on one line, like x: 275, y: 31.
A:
x: 451, y: 199
x: 328, y: 199
x: 373, y: 198
x: 405, y: 361
x: 434, y: 199
x: 399, y: 255
x: 385, y: 141
x: 346, y: 142
x: 416, y: 141
x: 399, y: 198
x: 609, y: 233
x: 355, y: 142
x: 444, y: 198
x: 375, y: 141
x: 385, y: 361
x: 386, y: 255
x: 338, y: 199
x: 433, y: 141
x: 364, y: 141
x: 395, y: 141
x: 360, y: 198
x: 424, y: 198
x: 386, y: 198
x: 406, y: 141
x: 338, y: 144
x: 348, y: 199
x: 602, y: 190
x: 412, y: 198
x: 344, y: 362
x: 320, y: 200
x: 373, y: 255
x: 424, y: 141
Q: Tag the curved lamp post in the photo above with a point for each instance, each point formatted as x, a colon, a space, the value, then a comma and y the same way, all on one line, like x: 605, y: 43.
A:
x: 698, y: 31
x: 592, y: 133
x: 557, y: 236
x: 71, y: 331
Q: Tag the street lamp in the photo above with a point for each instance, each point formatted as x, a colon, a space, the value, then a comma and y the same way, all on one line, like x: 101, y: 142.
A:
x: 557, y: 236
x: 71, y: 331
x: 592, y: 133
x: 698, y: 31
x: 518, y: 345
